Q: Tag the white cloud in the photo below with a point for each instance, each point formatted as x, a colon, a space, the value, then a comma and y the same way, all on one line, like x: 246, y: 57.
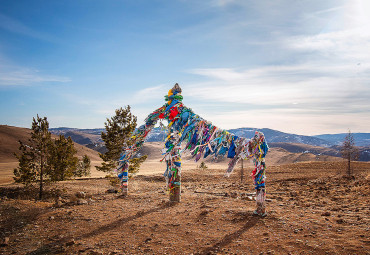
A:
x: 16, y: 75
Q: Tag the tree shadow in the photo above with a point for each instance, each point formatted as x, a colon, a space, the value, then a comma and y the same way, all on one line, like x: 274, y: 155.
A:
x: 229, y: 238
x: 15, y: 219
x: 57, y: 246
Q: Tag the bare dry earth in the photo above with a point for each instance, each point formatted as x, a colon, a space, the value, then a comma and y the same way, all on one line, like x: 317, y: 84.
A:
x: 312, y: 210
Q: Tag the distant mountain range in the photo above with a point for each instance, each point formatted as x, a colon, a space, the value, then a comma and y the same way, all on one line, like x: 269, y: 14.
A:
x: 326, y: 144
x: 361, y: 139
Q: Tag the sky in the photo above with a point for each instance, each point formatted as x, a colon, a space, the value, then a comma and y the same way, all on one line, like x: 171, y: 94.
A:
x: 300, y: 67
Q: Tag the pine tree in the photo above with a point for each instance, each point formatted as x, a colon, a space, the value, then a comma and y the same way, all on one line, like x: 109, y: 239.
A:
x: 62, y: 159
x: 135, y: 165
x: 349, y: 150
x: 33, y: 160
x: 119, y: 130
x: 44, y: 159
x: 83, y: 167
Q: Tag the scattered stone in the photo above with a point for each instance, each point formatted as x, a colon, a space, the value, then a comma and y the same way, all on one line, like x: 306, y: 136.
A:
x: 70, y: 243
x: 80, y: 194
x: 5, y: 242
x: 58, y: 202
x: 82, y: 202
x: 148, y: 240
x: 112, y: 191
x: 51, y: 218
x: 340, y: 221
x: 233, y: 194
x: 95, y: 253
x: 326, y: 214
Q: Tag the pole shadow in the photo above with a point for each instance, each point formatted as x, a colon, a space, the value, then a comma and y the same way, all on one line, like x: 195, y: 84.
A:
x: 229, y: 238
x: 57, y: 246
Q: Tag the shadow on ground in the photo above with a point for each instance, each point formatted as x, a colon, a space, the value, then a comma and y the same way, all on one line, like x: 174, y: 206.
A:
x: 57, y: 246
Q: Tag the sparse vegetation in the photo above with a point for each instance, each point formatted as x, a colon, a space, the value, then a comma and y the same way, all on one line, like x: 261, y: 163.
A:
x: 203, y: 166
x: 33, y: 160
x: 83, y: 167
x: 44, y: 159
x: 349, y: 151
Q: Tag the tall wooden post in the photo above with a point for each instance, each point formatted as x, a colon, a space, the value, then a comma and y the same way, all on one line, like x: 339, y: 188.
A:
x: 242, y: 172
x: 124, y: 183
x: 175, y: 193
x: 174, y: 183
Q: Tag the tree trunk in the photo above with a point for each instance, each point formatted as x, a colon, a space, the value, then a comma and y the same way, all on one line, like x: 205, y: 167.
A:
x: 242, y: 172
x: 349, y: 166
x: 41, y: 178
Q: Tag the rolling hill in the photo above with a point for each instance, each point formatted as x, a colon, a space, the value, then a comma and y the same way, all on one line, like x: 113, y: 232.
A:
x: 293, y: 143
x: 9, y: 137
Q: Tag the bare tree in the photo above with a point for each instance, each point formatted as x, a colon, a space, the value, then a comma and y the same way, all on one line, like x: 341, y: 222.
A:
x: 349, y: 151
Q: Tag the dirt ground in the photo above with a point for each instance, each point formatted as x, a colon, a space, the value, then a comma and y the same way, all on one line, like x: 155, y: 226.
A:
x: 312, y: 209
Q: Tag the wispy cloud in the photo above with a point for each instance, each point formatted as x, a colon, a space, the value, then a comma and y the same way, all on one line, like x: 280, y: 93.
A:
x: 16, y: 75
x: 15, y: 26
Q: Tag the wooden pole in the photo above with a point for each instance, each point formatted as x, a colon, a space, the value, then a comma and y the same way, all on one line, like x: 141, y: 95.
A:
x: 242, y: 172
x: 175, y: 185
x: 124, y: 183
x: 175, y: 193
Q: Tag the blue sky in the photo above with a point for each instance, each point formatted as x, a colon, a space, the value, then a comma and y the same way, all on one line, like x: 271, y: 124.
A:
x: 296, y: 66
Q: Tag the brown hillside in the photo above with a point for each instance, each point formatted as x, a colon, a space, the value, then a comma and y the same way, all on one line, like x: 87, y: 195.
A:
x: 9, y: 137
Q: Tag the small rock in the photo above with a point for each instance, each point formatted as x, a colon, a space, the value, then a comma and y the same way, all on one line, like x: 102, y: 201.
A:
x: 82, y: 202
x: 51, y: 218
x: 80, y: 194
x: 5, y: 242
x: 95, y: 253
x: 233, y: 194
x: 340, y: 221
x: 326, y: 214
x: 148, y: 240
x: 58, y: 202
x: 112, y: 191
x: 70, y: 243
